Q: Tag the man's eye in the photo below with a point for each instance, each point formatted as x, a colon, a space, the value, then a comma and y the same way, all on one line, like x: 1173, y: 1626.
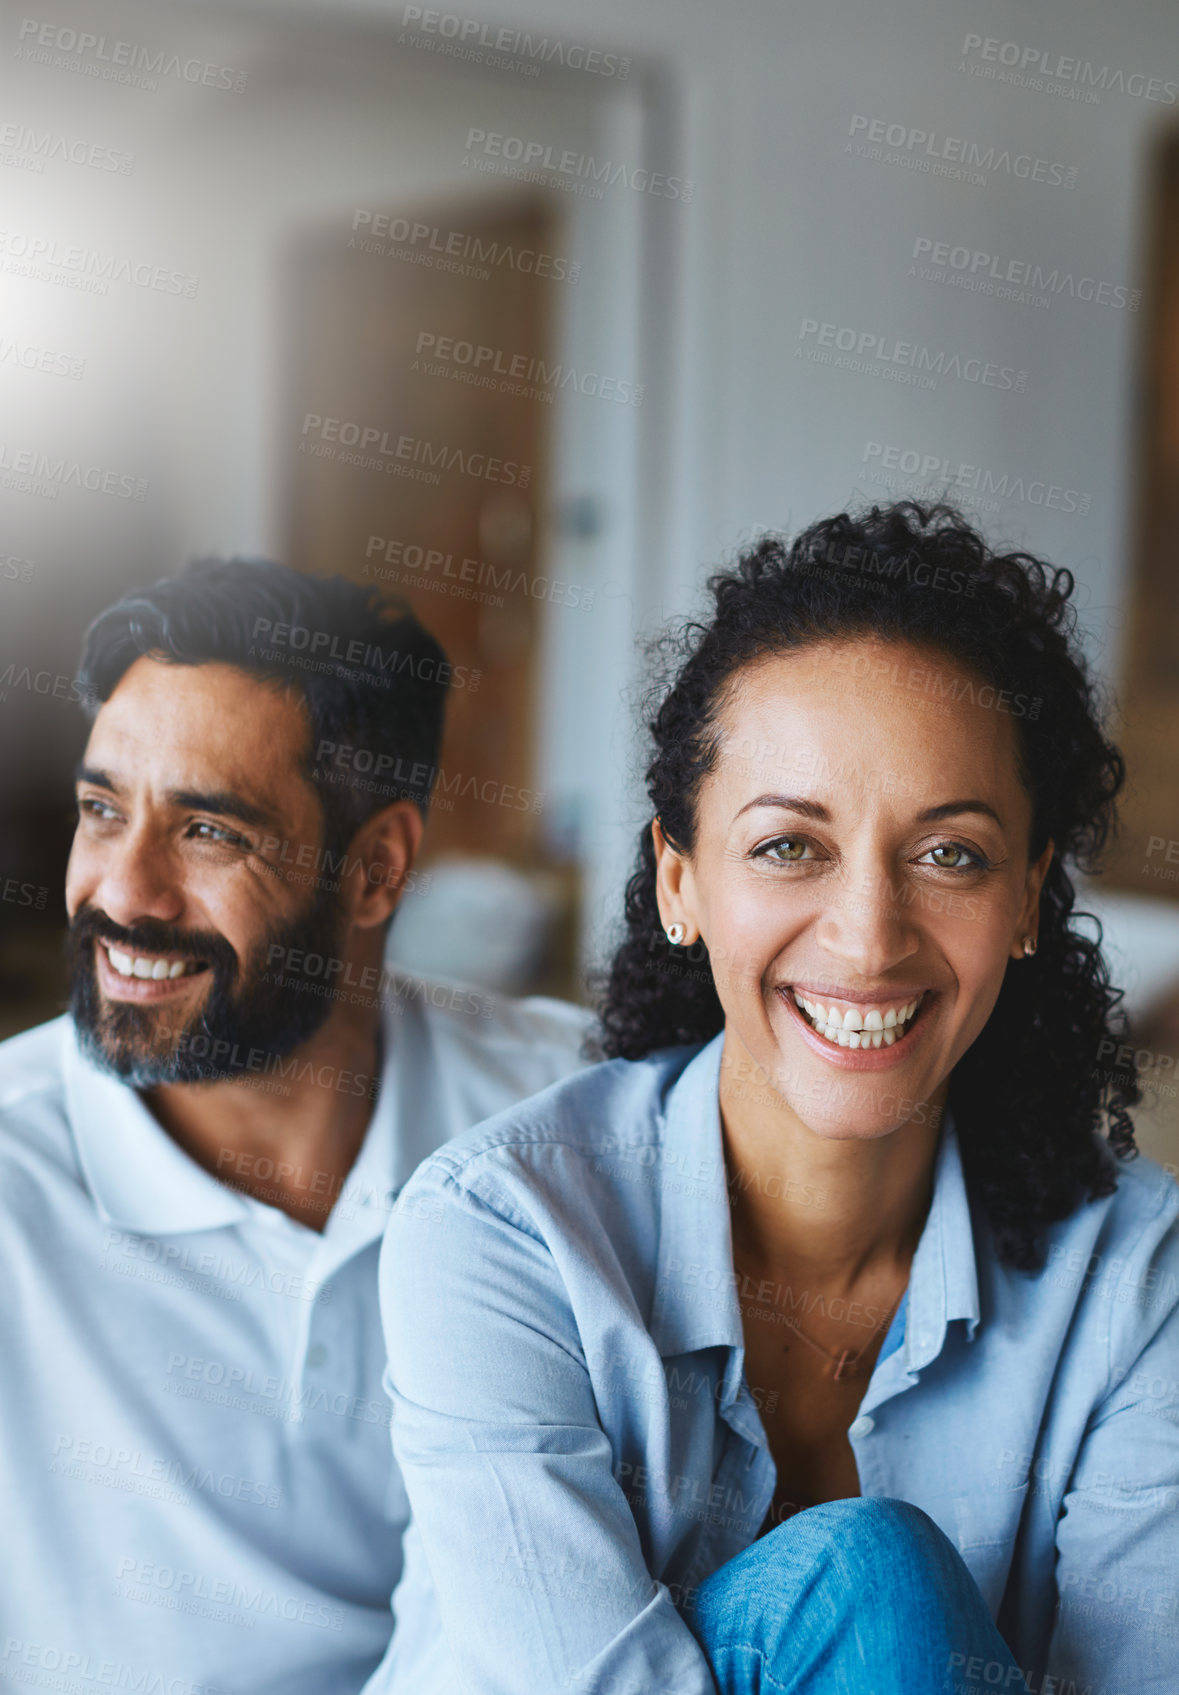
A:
x: 204, y: 832
x: 99, y: 809
x: 957, y: 857
x: 784, y: 850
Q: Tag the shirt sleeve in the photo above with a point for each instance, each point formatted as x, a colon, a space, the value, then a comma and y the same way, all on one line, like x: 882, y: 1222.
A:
x: 534, y: 1554
x: 1117, y: 1569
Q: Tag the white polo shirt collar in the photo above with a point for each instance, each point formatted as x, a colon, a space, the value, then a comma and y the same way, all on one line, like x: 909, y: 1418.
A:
x: 143, y: 1181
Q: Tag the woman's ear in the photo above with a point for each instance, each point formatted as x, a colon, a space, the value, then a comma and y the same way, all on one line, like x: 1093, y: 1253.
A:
x: 1028, y: 925
x: 674, y: 886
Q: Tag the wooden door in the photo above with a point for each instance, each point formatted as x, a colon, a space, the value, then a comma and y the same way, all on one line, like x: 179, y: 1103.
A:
x: 425, y: 473
x: 1146, y: 856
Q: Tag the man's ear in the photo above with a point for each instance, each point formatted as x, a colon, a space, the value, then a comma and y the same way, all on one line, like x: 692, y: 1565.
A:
x: 674, y: 886
x: 378, y: 863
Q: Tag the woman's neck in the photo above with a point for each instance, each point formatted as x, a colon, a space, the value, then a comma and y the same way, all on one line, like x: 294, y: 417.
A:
x: 830, y: 1211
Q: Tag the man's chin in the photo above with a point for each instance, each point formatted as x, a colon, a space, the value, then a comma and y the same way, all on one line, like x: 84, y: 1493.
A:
x: 139, y: 1045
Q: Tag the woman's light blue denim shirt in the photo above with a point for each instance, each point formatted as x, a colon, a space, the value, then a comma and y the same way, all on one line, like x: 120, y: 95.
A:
x: 581, y: 1448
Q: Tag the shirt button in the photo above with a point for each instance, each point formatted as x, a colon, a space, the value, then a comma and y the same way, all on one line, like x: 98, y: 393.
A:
x: 862, y: 1426
x: 317, y: 1356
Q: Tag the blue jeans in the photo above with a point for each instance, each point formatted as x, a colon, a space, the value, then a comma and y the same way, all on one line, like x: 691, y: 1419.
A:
x: 855, y: 1597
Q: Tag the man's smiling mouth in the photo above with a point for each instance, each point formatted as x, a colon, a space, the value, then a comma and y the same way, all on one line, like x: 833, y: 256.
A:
x: 151, y: 966
x: 847, y: 1024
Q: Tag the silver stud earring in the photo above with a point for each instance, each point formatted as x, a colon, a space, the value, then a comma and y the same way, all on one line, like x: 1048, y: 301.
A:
x: 675, y: 934
x: 1029, y: 946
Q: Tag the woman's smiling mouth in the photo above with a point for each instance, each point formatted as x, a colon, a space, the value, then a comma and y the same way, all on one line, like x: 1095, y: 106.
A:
x: 879, y: 1023
x: 880, y: 1028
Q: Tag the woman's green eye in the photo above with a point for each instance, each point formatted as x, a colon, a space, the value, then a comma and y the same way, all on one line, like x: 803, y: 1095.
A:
x: 784, y: 850
x: 962, y: 859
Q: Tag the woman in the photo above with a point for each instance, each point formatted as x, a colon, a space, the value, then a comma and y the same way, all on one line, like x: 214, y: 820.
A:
x: 821, y: 1342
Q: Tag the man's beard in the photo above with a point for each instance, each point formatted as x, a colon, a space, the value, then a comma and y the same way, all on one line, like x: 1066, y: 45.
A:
x: 246, y: 1011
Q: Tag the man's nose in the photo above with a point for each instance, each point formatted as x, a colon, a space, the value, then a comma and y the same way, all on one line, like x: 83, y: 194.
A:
x: 139, y: 880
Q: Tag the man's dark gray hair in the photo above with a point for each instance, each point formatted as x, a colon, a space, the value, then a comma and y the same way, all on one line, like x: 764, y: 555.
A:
x: 370, y: 676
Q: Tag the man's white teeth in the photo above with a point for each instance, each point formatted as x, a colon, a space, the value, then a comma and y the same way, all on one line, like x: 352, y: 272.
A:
x: 135, y: 965
x: 853, y: 1029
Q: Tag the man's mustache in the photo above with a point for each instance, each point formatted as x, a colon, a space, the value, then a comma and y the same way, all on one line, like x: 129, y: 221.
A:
x: 206, y: 947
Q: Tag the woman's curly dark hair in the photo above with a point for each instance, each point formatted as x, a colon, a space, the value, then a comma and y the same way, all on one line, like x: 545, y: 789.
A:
x: 1028, y: 1097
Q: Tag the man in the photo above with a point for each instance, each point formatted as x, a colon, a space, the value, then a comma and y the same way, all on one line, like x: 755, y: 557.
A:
x: 196, y: 1163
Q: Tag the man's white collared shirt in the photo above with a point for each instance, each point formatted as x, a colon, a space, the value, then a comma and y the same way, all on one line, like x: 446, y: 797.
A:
x: 200, y: 1495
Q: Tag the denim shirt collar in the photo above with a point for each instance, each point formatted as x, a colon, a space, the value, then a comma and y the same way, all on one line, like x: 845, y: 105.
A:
x: 695, y: 1303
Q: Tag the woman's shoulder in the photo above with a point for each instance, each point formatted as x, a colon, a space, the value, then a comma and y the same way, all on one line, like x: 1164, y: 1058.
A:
x: 1141, y: 1216
x: 609, y: 1109
x: 1117, y: 1257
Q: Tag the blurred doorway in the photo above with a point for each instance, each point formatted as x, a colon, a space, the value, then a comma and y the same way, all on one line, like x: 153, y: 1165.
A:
x: 415, y: 465
x: 421, y: 395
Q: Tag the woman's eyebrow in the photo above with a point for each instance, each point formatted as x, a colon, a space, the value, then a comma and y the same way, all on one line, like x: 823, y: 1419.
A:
x: 948, y: 808
x: 791, y: 803
x: 815, y: 809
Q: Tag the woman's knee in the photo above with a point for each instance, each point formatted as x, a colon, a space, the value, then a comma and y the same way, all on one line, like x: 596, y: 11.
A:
x: 863, y: 1543
x: 869, y: 1529
x: 829, y: 1555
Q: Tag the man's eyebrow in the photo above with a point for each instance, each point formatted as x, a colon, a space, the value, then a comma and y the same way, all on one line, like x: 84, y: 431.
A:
x: 223, y: 803
x: 97, y: 779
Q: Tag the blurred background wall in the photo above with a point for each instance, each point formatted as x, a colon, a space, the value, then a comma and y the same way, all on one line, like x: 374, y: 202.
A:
x: 735, y: 266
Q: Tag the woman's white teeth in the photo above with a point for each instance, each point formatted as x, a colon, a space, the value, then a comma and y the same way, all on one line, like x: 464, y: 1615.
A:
x: 853, y: 1029
x: 136, y: 965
